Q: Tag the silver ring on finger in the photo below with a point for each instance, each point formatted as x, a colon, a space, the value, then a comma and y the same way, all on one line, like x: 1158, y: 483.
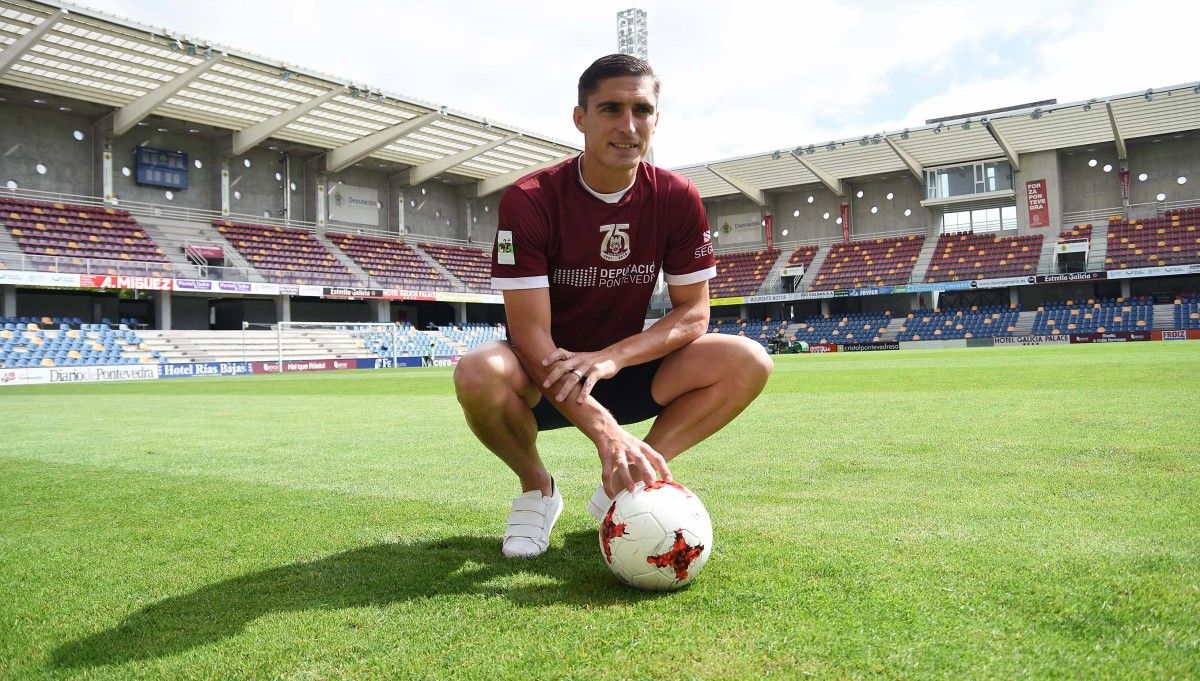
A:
x: 578, y: 374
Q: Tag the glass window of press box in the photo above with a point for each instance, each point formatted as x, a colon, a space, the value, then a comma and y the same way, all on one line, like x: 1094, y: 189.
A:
x: 975, y: 178
x: 993, y: 219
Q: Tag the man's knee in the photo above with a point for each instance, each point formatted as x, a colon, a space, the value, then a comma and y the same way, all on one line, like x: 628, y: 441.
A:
x: 485, y: 376
x: 751, y: 362
x: 475, y: 377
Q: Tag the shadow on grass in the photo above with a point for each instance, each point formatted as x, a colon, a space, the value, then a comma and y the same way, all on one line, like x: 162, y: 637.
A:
x: 371, y: 576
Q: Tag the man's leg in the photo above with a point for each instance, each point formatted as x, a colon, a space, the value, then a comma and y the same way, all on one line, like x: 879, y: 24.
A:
x: 703, y: 386
x: 497, y: 397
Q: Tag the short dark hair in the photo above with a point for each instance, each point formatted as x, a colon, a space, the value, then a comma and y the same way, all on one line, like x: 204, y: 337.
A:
x: 613, y: 66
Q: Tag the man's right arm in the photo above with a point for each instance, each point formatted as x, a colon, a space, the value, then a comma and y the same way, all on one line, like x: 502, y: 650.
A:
x: 624, y: 459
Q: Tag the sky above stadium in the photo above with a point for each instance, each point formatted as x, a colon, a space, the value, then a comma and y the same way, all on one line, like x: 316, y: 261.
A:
x: 739, y: 78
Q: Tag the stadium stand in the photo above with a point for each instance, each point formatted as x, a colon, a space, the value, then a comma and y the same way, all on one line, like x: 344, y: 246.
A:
x: 1108, y: 315
x: 285, y: 255
x: 410, y: 342
x: 467, y: 337
x: 803, y: 256
x: 963, y: 257
x: 25, y: 343
x: 741, y: 274
x: 63, y: 237
x: 761, y: 330
x: 391, y: 262
x: 1154, y: 242
x: 471, y: 265
x: 863, y: 264
x: 1187, y: 312
x: 852, y: 328
x: 1076, y: 233
x: 952, y: 324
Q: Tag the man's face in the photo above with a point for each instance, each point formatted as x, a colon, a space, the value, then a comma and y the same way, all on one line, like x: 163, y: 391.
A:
x: 618, y: 123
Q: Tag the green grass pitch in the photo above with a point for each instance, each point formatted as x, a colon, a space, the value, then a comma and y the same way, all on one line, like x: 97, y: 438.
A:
x: 1025, y: 512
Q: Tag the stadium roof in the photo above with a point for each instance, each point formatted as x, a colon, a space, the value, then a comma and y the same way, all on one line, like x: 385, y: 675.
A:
x: 139, y: 70
x: 1114, y: 119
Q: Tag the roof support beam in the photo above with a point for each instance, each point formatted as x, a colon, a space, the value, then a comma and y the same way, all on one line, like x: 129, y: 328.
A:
x: 13, y: 53
x: 1117, y: 136
x: 753, y: 193
x: 834, y: 184
x: 244, y: 140
x: 129, y: 115
x: 494, y: 184
x: 348, y: 154
x: 418, y: 174
x: 1009, y: 152
x: 913, y: 167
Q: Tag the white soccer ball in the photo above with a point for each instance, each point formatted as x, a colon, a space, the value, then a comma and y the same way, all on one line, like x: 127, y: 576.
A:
x: 656, y: 538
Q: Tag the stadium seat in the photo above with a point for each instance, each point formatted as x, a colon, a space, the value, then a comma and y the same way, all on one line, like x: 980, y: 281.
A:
x: 869, y: 263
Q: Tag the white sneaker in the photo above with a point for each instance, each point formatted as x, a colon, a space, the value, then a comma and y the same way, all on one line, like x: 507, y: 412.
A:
x: 599, y: 504
x: 529, y: 524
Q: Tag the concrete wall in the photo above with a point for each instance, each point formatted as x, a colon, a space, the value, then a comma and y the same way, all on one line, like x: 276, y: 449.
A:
x: 483, y: 223
x: 31, y: 136
x: 1163, y: 162
x: 1042, y: 165
x: 725, y: 209
x: 254, y: 190
x: 906, y: 192
x: 1087, y: 187
x: 434, y: 209
x: 204, y: 188
x: 810, y: 224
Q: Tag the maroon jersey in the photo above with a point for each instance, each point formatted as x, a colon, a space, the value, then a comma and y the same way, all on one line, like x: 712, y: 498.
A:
x: 600, y: 260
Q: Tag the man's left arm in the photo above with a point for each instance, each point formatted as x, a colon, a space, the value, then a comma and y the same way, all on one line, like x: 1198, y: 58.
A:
x: 687, y: 321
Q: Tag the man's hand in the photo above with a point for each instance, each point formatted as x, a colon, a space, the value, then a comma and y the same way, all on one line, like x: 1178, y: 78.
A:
x: 626, y: 460
x: 578, y: 372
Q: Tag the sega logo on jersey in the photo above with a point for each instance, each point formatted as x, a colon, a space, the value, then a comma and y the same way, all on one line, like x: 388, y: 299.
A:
x: 704, y: 250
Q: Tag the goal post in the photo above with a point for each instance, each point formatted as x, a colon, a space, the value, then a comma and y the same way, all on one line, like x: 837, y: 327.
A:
x: 380, y: 339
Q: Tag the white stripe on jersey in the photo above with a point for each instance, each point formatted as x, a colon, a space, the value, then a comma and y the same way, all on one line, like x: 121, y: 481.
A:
x: 689, y: 278
x: 513, y: 283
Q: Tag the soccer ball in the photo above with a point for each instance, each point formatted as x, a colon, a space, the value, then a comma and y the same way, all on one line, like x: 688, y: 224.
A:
x: 656, y: 538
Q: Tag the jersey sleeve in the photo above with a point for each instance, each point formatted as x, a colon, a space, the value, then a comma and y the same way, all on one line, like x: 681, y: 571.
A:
x: 522, y: 235
x: 689, y: 258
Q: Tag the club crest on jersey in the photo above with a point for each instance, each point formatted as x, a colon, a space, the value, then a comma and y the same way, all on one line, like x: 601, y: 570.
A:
x: 506, y: 254
x: 615, y: 246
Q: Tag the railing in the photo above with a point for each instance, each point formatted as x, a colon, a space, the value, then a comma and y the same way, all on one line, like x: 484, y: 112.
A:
x: 1101, y: 215
x: 18, y: 260
x: 206, y: 217
x: 154, y: 210
x: 793, y: 244
x: 1098, y: 216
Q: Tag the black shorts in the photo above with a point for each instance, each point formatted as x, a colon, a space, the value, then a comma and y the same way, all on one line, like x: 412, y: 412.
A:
x: 627, y: 396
